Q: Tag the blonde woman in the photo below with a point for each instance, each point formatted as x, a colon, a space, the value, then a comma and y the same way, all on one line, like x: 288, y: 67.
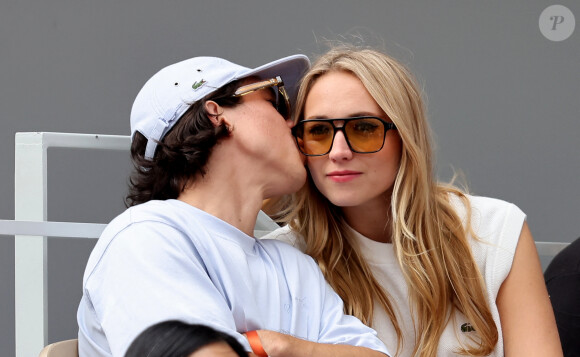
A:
x: 435, y: 271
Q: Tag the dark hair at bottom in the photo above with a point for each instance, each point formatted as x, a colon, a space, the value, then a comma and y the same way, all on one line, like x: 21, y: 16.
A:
x: 178, y: 339
x: 181, y: 154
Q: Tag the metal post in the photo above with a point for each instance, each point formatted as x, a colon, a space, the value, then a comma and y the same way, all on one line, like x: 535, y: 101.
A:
x: 30, y: 251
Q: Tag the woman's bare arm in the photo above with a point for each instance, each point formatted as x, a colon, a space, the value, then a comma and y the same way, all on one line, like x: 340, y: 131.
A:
x: 527, y: 319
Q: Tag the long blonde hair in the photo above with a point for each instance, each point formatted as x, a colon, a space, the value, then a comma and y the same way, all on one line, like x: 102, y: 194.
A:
x: 430, y: 240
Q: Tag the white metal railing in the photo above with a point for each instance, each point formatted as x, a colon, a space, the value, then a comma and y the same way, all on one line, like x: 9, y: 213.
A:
x: 31, y: 229
x: 52, y: 229
x: 30, y: 249
x: 550, y: 249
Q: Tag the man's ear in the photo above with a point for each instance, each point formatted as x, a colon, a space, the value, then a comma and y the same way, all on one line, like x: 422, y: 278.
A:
x: 214, y: 112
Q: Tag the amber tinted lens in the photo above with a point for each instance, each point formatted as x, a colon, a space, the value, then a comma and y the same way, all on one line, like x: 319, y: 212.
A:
x: 365, y: 135
x: 314, y: 138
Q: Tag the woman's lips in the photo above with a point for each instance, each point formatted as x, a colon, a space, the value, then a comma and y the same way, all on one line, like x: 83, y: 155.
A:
x: 343, y: 176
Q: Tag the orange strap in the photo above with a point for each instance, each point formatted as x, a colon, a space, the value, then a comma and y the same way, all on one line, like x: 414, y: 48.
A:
x: 256, y: 344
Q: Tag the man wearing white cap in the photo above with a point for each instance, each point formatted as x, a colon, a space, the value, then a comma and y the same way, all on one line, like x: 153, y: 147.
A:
x: 210, y: 141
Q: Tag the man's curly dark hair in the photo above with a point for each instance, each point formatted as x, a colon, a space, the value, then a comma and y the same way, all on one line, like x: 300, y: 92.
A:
x: 181, y: 154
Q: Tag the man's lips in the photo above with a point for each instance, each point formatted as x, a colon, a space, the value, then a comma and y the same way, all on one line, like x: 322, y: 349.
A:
x: 343, y: 176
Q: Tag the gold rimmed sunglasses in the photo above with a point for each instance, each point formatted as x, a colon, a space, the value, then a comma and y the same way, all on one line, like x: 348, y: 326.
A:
x: 282, y: 101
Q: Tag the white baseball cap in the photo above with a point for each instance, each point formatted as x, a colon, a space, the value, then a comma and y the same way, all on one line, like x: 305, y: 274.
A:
x: 170, y: 92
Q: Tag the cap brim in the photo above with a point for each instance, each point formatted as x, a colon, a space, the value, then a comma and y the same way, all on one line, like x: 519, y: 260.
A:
x: 290, y: 69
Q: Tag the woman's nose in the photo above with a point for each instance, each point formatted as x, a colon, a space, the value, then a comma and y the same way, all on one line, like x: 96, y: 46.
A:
x: 340, y: 149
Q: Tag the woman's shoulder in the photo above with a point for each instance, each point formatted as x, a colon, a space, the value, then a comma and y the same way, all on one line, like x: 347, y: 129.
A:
x: 287, y: 235
x: 486, y: 210
x: 495, y: 227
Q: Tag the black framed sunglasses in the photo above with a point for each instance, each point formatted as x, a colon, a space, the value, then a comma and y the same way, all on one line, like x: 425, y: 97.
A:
x: 364, y: 135
x: 282, y: 100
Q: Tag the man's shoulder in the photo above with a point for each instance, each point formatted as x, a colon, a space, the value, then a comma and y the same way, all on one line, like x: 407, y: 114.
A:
x: 156, y: 210
x: 287, y: 253
x: 149, y: 225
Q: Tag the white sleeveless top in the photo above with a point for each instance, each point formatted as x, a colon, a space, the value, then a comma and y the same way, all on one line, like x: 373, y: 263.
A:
x: 498, y: 225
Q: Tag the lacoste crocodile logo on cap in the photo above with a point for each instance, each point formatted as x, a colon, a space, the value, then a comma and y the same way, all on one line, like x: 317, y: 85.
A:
x: 198, y: 84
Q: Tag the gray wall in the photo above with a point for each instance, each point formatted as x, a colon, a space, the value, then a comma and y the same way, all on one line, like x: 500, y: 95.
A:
x: 503, y: 100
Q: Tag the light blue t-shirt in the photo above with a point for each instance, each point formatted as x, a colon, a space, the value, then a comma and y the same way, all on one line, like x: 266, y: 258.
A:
x: 167, y: 260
